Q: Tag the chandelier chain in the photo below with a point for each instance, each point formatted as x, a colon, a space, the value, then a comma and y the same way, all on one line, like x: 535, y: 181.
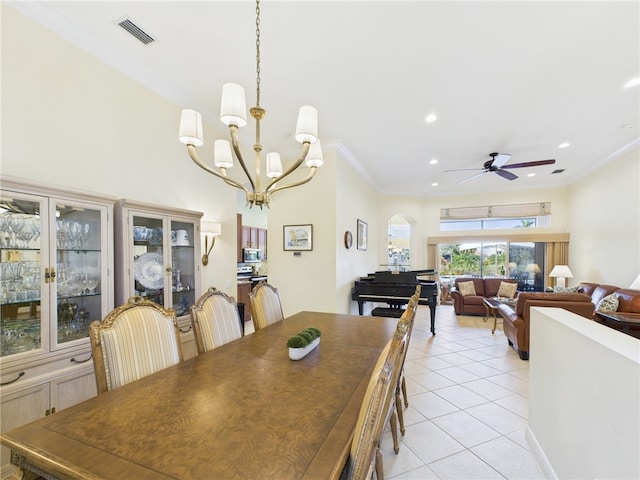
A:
x: 257, y: 53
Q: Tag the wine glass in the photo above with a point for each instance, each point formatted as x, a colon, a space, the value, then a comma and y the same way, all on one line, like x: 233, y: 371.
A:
x: 16, y: 224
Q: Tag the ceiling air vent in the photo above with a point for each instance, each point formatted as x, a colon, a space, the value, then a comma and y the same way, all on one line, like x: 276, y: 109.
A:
x: 560, y: 170
x: 136, y: 31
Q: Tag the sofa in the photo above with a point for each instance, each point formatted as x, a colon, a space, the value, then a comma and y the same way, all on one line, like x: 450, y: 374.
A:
x: 626, y: 303
x: 516, y: 319
x: 484, y: 288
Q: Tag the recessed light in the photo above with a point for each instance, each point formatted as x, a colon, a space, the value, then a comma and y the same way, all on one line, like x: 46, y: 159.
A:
x: 564, y: 145
x: 531, y: 175
x: 434, y: 184
x: 634, y: 82
x: 433, y: 161
x: 627, y: 126
x: 432, y: 117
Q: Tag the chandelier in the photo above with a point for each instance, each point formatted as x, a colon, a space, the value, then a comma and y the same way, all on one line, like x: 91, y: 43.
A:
x: 233, y: 114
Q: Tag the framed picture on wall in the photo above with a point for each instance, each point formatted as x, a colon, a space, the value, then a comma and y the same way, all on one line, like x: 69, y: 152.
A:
x: 297, y: 237
x: 362, y: 236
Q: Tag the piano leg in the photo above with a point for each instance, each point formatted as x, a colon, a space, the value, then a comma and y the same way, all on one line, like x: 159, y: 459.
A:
x: 360, y: 305
x: 432, y: 309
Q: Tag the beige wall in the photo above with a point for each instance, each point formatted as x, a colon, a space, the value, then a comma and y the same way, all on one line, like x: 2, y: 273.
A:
x: 70, y: 120
x: 605, y: 223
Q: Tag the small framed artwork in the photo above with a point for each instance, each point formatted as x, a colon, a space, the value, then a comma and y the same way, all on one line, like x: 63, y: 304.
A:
x: 297, y: 237
x: 362, y: 236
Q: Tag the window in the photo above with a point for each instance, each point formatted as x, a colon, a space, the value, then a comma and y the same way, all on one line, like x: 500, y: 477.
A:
x: 523, y: 261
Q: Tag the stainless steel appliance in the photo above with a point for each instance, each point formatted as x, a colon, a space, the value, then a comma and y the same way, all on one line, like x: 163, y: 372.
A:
x: 251, y: 255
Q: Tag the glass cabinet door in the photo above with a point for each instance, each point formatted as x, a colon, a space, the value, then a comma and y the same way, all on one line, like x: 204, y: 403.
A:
x: 21, y: 286
x: 183, y: 274
x: 78, y: 271
x: 149, y: 270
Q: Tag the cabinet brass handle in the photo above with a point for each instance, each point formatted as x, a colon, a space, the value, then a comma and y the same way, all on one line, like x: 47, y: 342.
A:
x: 168, y: 270
x: 185, y: 331
x: 73, y: 360
x: 20, y: 375
x: 53, y: 273
x: 47, y: 275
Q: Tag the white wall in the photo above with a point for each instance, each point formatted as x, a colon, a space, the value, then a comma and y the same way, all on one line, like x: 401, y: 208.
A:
x: 605, y: 223
x: 584, y: 397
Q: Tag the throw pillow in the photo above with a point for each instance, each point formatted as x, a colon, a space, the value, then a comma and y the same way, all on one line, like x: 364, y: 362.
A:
x: 507, y: 290
x: 608, y: 304
x: 558, y: 289
x: 467, y: 288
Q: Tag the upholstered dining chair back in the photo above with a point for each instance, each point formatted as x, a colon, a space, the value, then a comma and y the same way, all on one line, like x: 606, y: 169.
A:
x: 134, y: 340
x: 215, y: 320
x: 377, y: 409
x: 265, y: 305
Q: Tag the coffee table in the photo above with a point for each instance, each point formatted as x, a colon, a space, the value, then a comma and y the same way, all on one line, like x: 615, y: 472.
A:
x: 621, y: 322
x: 492, y: 305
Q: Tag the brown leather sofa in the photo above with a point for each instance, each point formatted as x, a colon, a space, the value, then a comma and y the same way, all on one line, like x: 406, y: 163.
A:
x: 516, y: 319
x: 628, y: 305
x: 472, y: 304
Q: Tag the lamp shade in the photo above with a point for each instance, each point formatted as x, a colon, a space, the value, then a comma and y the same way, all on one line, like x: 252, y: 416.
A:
x: 561, y: 271
x: 274, y: 165
x: 211, y: 228
x: 636, y: 283
x: 314, y: 157
x: 191, y: 128
x: 222, y: 154
x: 532, y: 268
x: 233, y: 109
x: 307, y: 126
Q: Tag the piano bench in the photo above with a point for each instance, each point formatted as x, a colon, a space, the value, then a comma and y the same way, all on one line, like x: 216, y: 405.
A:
x: 387, y: 312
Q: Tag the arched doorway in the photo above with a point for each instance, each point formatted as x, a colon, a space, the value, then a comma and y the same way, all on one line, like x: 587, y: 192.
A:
x: 398, y: 244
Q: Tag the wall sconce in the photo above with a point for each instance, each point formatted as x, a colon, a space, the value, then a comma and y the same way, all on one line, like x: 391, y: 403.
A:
x: 209, y: 228
x: 560, y: 272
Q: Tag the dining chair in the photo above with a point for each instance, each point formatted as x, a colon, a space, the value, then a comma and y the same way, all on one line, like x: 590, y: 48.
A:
x: 265, y: 305
x: 215, y: 320
x: 402, y: 386
x: 134, y: 340
x: 377, y: 409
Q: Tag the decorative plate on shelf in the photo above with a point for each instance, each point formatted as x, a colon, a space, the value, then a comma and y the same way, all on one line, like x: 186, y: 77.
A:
x: 148, y: 270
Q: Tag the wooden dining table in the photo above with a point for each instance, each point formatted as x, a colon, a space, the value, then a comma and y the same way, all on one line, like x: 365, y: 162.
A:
x: 241, y: 411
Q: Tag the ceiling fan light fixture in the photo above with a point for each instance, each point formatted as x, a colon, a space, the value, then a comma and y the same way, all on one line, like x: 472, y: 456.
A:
x: 634, y: 82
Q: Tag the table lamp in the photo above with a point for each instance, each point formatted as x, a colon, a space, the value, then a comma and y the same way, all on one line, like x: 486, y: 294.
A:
x: 560, y: 273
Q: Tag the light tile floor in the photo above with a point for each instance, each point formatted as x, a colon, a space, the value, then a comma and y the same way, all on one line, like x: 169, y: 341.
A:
x: 468, y: 404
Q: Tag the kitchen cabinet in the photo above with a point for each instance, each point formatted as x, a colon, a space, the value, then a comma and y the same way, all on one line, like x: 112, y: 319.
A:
x: 158, y: 257
x: 56, y: 276
x: 244, y: 289
x: 254, y: 237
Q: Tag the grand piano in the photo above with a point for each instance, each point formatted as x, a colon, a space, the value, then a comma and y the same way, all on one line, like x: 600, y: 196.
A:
x: 395, y: 289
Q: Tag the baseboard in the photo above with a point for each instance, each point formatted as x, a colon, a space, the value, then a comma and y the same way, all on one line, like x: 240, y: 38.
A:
x: 538, y: 454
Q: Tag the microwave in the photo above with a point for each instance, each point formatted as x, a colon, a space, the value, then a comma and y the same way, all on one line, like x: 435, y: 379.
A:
x: 251, y: 255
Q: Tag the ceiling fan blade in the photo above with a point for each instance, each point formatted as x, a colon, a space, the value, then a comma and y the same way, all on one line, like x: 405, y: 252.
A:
x: 507, y: 175
x: 464, y: 170
x: 472, y: 176
x: 537, y: 163
x: 500, y: 159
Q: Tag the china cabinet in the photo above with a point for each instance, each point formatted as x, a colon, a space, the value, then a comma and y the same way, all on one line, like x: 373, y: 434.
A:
x: 158, y: 257
x: 56, y: 276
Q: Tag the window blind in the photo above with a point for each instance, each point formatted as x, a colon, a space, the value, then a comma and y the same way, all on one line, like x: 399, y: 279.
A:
x: 496, y: 211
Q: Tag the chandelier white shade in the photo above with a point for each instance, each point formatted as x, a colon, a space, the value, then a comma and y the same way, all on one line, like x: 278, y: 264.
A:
x: 560, y: 273
x: 233, y: 113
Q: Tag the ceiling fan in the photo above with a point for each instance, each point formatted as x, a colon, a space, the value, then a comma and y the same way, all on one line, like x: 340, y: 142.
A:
x: 497, y: 164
